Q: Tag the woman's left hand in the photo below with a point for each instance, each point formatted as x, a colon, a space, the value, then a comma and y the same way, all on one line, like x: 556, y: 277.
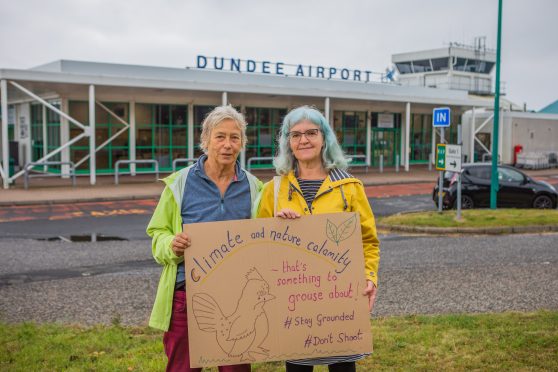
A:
x: 370, y: 291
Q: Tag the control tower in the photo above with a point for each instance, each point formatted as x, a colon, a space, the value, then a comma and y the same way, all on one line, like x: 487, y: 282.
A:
x: 457, y: 67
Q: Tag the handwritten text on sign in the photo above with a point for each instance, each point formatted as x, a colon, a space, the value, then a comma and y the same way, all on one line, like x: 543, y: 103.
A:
x: 271, y: 289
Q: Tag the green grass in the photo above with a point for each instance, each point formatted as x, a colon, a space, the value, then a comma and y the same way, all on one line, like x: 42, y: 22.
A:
x: 475, y: 218
x: 487, y: 342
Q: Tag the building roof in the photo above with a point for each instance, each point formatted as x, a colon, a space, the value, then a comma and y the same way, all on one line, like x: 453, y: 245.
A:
x: 551, y: 108
x: 450, y: 51
x: 136, y: 76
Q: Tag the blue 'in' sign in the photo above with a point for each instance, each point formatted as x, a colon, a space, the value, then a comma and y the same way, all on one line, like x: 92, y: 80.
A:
x: 441, y: 117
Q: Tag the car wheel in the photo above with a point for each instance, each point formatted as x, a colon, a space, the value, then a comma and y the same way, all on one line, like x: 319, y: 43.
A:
x: 542, y: 202
x: 467, y: 202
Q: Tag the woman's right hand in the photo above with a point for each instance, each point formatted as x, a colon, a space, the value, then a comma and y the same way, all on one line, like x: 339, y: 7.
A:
x: 288, y: 214
x: 180, y: 242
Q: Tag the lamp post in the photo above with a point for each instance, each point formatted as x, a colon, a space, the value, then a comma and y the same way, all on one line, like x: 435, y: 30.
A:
x: 496, y: 121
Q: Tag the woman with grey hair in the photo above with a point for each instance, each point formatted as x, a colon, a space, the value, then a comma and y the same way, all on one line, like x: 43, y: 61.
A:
x: 215, y: 188
x: 313, y: 180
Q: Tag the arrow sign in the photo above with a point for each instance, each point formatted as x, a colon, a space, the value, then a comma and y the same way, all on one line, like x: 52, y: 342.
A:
x: 453, y: 158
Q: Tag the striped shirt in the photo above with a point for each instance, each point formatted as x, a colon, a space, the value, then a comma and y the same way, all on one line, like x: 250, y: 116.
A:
x: 309, y: 189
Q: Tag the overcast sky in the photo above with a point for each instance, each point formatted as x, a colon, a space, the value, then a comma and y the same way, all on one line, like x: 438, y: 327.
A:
x: 360, y: 34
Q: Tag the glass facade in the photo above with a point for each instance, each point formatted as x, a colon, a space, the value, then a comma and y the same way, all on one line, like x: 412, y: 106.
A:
x: 105, y: 127
x: 200, y: 112
x: 52, y: 134
x: 161, y: 134
x: 263, y: 128
x: 350, y: 128
x: 386, y: 138
x: 420, y: 138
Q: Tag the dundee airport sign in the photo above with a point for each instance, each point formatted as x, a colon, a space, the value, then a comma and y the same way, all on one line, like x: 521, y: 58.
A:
x: 285, y: 69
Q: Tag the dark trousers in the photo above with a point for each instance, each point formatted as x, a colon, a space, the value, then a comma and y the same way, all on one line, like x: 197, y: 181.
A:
x: 175, y: 341
x: 335, y: 367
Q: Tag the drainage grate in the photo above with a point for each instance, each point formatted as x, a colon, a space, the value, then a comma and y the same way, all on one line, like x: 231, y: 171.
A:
x: 84, y: 238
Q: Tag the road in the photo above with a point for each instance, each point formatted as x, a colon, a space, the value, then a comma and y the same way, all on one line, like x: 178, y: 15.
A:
x: 127, y: 219
x: 98, y: 282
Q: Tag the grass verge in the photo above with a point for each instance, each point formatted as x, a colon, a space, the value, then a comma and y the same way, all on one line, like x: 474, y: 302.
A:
x: 508, y: 341
x: 475, y: 218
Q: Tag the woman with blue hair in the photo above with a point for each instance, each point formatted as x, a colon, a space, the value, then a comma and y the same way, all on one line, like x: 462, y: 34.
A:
x: 313, y: 180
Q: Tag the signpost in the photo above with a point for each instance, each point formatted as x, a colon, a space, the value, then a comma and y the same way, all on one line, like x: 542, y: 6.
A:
x: 453, y: 158
x: 448, y: 158
x: 441, y: 118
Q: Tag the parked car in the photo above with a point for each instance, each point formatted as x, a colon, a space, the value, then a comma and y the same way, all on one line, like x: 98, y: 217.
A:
x: 516, y: 189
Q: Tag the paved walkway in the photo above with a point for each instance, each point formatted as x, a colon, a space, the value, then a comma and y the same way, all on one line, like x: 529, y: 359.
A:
x: 53, y: 190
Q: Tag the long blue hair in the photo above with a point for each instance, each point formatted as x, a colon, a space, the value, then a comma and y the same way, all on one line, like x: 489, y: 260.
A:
x: 332, y: 154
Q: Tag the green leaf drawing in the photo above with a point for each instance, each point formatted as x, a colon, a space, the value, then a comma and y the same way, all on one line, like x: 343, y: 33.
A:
x: 331, y: 231
x: 339, y: 233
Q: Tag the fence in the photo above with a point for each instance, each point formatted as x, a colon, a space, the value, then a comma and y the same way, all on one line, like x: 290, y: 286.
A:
x: 30, y: 166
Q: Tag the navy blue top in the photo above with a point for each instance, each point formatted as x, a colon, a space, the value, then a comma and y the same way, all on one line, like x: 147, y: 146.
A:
x: 202, y: 201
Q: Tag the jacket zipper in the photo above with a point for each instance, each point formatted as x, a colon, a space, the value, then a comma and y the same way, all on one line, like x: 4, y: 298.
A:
x: 293, y: 187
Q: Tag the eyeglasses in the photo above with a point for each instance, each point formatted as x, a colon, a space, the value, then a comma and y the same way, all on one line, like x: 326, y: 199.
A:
x: 310, y: 134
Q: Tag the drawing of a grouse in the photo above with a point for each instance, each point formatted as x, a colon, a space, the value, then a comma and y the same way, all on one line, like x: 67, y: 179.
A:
x: 243, y: 331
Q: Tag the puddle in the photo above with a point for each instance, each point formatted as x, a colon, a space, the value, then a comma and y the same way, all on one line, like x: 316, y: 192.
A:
x: 84, y: 238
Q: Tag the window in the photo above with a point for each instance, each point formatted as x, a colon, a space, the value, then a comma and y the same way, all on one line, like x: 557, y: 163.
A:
x: 262, y: 130
x: 51, y: 135
x: 422, y: 66
x: 479, y: 172
x: 350, y: 128
x: 404, y: 67
x: 509, y: 175
x: 440, y: 64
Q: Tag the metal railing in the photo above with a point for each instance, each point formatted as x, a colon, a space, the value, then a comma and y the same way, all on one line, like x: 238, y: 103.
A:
x: 182, y: 160
x: 353, y: 157
x: 258, y: 158
x: 30, y: 165
x: 146, y: 161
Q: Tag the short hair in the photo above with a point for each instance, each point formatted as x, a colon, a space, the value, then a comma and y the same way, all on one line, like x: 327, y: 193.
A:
x: 216, y: 117
x: 333, y: 156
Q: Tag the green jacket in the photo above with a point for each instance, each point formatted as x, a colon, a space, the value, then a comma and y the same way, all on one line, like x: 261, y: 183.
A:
x: 165, y: 223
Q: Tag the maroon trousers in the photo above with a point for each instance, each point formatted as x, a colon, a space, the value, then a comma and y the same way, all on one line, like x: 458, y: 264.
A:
x: 175, y: 341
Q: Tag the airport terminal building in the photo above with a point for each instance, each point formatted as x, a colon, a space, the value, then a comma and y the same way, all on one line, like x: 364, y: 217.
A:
x: 94, y: 114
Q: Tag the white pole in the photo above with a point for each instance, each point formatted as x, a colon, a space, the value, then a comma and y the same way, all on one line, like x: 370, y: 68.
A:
x: 224, y: 99
x: 5, y: 149
x: 432, y: 155
x: 64, y: 138
x: 500, y: 136
x: 132, y: 137
x: 472, y: 138
x: 91, y: 129
x: 45, y: 136
x: 190, y: 130
x: 326, y: 110
x: 407, y: 134
x: 243, y: 152
x: 368, y: 138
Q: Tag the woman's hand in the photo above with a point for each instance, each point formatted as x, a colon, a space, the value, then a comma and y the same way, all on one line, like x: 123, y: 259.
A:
x: 180, y: 242
x: 287, y: 214
x: 370, y: 291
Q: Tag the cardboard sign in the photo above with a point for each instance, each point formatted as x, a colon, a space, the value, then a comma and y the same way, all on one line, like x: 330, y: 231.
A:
x: 272, y: 289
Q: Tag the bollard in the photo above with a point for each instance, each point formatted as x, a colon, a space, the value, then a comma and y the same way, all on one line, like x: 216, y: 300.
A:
x: 382, y: 163
x: 396, y: 163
